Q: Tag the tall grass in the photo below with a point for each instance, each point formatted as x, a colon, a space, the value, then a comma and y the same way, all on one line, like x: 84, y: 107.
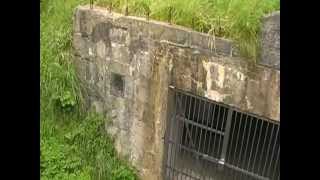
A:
x: 236, y: 19
x: 73, y: 143
x: 59, y: 85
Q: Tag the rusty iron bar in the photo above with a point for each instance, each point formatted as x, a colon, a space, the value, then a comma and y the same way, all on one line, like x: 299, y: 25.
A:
x: 91, y: 4
x: 193, y: 24
x: 110, y: 7
x: 148, y: 15
x: 170, y: 15
x: 126, y: 12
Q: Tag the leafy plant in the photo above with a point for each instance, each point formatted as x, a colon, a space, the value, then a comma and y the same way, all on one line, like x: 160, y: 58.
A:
x: 66, y: 101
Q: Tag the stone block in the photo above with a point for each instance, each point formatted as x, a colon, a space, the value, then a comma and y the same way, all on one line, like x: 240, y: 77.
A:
x: 129, y: 87
x: 144, y: 64
x: 141, y: 89
x: 119, y: 35
x: 80, y: 45
x: 76, y: 21
x: 120, y: 53
x: 85, y: 26
x: 100, y: 32
x: 222, y: 46
x: 257, y: 93
x: 270, y: 41
x: 176, y: 35
x: 119, y: 68
x: 81, y: 68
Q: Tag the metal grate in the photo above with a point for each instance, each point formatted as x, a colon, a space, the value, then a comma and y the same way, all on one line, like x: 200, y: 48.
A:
x: 210, y: 140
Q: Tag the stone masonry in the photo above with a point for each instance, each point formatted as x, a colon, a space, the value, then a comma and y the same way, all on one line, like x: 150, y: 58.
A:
x: 270, y: 40
x: 126, y: 65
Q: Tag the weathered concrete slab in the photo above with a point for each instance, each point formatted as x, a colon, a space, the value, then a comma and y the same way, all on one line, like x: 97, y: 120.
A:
x: 150, y: 56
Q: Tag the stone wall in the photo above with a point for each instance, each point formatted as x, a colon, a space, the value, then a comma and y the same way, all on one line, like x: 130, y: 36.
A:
x: 126, y: 65
x: 270, y: 40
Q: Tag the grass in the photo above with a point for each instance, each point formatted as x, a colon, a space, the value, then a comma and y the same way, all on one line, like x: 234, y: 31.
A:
x: 238, y: 20
x: 80, y: 150
x: 73, y: 143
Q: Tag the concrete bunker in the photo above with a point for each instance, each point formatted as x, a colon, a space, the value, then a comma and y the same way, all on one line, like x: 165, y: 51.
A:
x: 126, y: 64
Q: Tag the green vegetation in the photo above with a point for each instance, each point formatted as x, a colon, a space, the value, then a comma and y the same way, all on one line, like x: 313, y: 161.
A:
x: 73, y: 143
x: 80, y: 150
x: 235, y: 19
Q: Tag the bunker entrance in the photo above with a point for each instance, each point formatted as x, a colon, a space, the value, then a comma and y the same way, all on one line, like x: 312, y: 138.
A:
x: 209, y: 140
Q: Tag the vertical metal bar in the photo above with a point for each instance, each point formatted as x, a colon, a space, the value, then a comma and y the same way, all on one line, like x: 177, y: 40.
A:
x: 186, y: 126
x: 91, y: 4
x: 242, y: 139
x: 110, y: 7
x: 215, y: 135
x: 207, y: 124
x: 232, y: 136
x: 205, y: 138
x: 233, y: 162
x: 194, y: 112
x: 210, y: 133
x: 202, y: 119
x: 201, y: 103
x: 268, y: 149
x: 126, y: 13
x: 226, y: 135
x: 179, y: 136
x: 169, y: 136
x: 253, y: 139
x: 200, y: 139
x: 212, y: 118
x: 273, y: 150
x: 276, y: 164
x: 189, y: 171
x: 173, y: 135
x: 247, y: 143
x: 236, y: 143
x: 179, y: 101
x: 221, y: 129
x: 190, y: 133
x: 186, y: 131
x: 255, y: 156
x: 198, y: 113
x: 264, y: 142
x: 168, y: 133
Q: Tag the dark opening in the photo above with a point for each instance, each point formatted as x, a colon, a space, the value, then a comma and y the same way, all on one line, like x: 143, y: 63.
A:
x: 117, y: 85
x: 200, y: 139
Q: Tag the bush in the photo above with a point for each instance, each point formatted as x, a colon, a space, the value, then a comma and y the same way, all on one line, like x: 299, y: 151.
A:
x: 81, y: 150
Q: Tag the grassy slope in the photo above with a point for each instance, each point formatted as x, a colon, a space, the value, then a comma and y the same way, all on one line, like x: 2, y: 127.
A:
x: 235, y: 19
x: 73, y: 144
